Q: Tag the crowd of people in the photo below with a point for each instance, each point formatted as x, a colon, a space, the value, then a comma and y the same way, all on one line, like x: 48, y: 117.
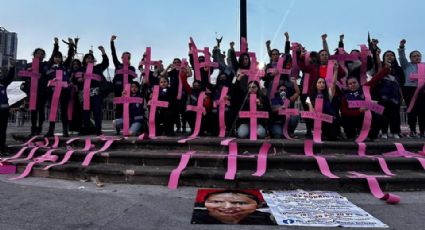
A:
x: 294, y: 75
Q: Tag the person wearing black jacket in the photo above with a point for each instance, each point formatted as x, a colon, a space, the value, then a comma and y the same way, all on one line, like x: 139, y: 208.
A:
x: 5, y: 80
x: 118, y: 81
x: 96, y: 98
x: 164, y: 120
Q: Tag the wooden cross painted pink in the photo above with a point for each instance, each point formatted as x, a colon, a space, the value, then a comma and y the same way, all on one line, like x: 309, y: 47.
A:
x: 125, y: 71
x: 154, y: 103
x: 306, y: 78
x: 221, y: 104
x: 184, y: 64
x: 194, y: 51
x: 207, y: 63
x: 58, y: 84
x: 254, y: 73
x: 318, y: 116
x: 89, y: 76
x: 147, y: 63
x: 364, y: 54
x: 126, y: 100
x: 199, y: 110
x: 244, y: 49
x: 253, y: 115
x: 279, y: 70
x: 288, y: 112
x: 420, y: 77
x: 367, y: 119
x: 34, y: 74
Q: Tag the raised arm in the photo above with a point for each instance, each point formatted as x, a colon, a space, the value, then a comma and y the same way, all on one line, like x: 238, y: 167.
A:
x: 402, y: 54
x: 324, y: 42
x: 341, y: 41
x: 117, y: 63
x: 71, y: 53
x: 287, y: 43
x: 55, y: 49
x: 105, y: 60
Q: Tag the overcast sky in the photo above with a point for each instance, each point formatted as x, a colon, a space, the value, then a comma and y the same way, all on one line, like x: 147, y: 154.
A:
x: 167, y: 25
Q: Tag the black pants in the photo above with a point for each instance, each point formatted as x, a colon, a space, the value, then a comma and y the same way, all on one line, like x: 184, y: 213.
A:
x: 63, y: 101
x: 96, y: 108
x: 4, y: 116
x: 164, y: 122
x: 412, y: 117
x: 391, y: 117
x: 352, y: 125
x: 39, y: 114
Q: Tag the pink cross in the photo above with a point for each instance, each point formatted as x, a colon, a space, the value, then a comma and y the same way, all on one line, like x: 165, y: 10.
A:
x: 343, y: 56
x: 125, y: 71
x: 364, y: 54
x: 199, y: 109
x: 253, y: 73
x: 420, y: 77
x: 197, y: 66
x: 367, y: 119
x: 126, y: 101
x: 147, y: 62
x: 221, y: 104
x: 58, y: 83
x: 288, y: 113
x: 89, y: 76
x: 306, y: 75
x: 181, y: 68
x: 253, y: 115
x: 154, y: 102
x: 330, y: 72
x: 276, y: 78
x: 244, y: 49
x: 318, y: 116
x: 35, y: 76
x: 207, y: 62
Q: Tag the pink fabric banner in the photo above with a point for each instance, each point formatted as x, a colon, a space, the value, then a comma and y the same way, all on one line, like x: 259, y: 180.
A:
x: 126, y: 100
x: 88, y: 77
x: 375, y: 189
x: 232, y: 161
x: 125, y: 71
x: 262, y: 159
x: 175, y: 174
x: 220, y: 104
x: 154, y: 103
x: 371, y: 106
x: 58, y: 84
x: 318, y: 116
x: 147, y: 63
x: 420, y: 77
x: 321, y: 161
x: 253, y: 115
x: 199, y: 110
x: 287, y: 112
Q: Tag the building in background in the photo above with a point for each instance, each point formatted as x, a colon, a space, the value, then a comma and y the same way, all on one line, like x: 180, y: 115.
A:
x: 8, y: 46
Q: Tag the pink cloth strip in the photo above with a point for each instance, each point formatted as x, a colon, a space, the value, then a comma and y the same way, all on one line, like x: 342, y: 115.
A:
x: 71, y: 103
x: 381, y: 160
x: 200, y: 110
x: 46, y: 157
x: 227, y: 141
x: 262, y: 159
x: 154, y: 102
x: 321, y: 161
x: 306, y: 83
x: 90, y: 155
x: 65, y: 159
x: 221, y: 104
x: 26, y: 143
x: 56, y: 142
x: 183, y: 141
x: 253, y: 115
x: 34, y: 74
x: 318, y: 116
x: 420, y: 77
x: 175, y: 174
x: 16, y: 156
x: 288, y: 112
x: 375, y: 189
x: 232, y: 161
x: 29, y: 157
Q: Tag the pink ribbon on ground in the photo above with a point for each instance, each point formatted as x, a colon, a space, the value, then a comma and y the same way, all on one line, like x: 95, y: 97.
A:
x: 16, y: 156
x: 262, y: 159
x: 147, y: 62
x: 288, y: 113
x: 318, y: 118
x: 401, y: 152
x: 232, y: 161
x: 26, y: 143
x: 181, y: 70
x: 253, y: 73
x: 55, y: 142
x: 154, y: 102
x: 126, y: 100
x: 71, y: 102
x: 253, y: 115
x: 71, y: 151
x: 175, y: 174
x: 221, y: 104
x: 46, y: 157
x: 200, y: 110
x: 89, y: 76
x: 381, y: 160
x: 420, y: 77
x: 58, y: 84
x: 125, y: 71
x: 375, y: 189
x: 367, y: 119
x: 279, y: 70
x: 89, y: 156
x: 227, y: 141
x: 321, y: 161
x: 29, y: 157
x: 364, y: 54
x: 34, y: 74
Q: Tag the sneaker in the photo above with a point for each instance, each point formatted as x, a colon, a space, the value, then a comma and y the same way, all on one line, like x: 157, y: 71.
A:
x: 384, y: 136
